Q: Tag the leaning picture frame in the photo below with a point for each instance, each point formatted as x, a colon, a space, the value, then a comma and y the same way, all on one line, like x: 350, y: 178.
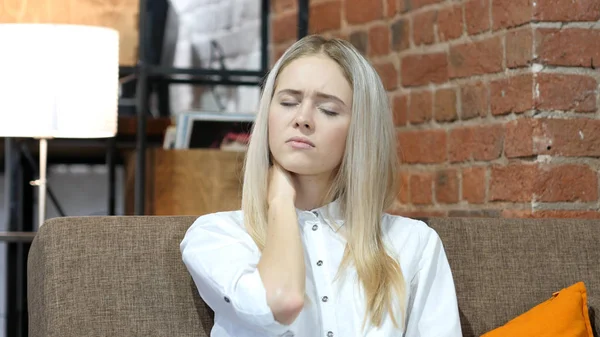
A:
x: 207, y: 129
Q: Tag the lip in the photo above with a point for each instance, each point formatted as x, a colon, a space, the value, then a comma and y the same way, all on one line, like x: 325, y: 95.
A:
x: 300, y: 141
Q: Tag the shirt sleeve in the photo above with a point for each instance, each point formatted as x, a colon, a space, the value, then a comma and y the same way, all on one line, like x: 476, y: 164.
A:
x: 222, y: 259
x: 433, y: 307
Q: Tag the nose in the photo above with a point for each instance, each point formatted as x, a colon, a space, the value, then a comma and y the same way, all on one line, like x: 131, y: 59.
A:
x: 304, y: 119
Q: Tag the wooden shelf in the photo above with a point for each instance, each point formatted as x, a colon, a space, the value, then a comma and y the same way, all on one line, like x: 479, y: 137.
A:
x: 187, y: 182
x: 155, y: 127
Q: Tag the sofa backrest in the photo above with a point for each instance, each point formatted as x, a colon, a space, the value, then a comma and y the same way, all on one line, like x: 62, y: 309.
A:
x: 504, y: 267
x: 113, y: 276
x: 123, y: 276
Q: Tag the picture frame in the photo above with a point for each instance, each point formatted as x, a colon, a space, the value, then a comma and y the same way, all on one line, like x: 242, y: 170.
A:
x: 207, y: 129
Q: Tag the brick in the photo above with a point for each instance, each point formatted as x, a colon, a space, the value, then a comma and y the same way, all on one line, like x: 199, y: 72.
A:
x: 519, y: 137
x: 477, y: 58
x: 529, y: 182
x: 511, y: 13
x: 514, y: 182
x: 568, y: 47
x: 421, y: 188
x: 566, y: 92
x: 473, y: 184
x: 479, y: 143
x: 450, y: 23
x: 512, y: 95
x: 477, y: 16
x: 400, y: 35
x: 474, y: 100
x: 404, y: 188
x: 388, y: 73
x: 379, y: 40
x: 423, y: 27
x: 444, y: 108
x: 550, y: 214
x: 424, y: 69
x: 422, y: 146
x: 567, y: 10
x: 446, y: 186
x: 284, y: 27
x: 566, y: 183
x: 414, y: 4
x: 325, y: 16
x: 278, y: 52
x: 552, y: 136
x: 360, y: 41
x: 420, y: 107
x: 392, y: 8
x: 400, y: 110
x: 519, y: 47
x: 476, y: 213
x: 569, y: 137
x: 363, y: 11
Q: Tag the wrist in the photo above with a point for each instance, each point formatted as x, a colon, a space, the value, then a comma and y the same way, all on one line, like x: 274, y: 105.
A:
x: 281, y: 202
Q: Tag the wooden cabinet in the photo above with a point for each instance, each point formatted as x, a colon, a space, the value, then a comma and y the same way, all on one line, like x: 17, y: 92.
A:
x: 188, y: 182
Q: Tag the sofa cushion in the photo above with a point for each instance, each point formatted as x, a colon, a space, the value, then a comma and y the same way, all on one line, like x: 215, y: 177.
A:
x: 565, y: 314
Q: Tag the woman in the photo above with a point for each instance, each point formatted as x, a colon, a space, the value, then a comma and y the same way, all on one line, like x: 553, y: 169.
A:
x: 311, y: 252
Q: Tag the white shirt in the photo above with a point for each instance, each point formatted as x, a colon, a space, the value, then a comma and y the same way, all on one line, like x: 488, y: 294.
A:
x: 222, y: 259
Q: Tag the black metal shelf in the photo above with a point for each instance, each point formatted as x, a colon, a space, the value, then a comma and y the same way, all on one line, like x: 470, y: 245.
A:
x: 149, y: 73
x: 161, y: 70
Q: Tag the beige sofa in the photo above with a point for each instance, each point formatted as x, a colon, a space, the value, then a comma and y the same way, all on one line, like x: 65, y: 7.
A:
x: 123, y: 276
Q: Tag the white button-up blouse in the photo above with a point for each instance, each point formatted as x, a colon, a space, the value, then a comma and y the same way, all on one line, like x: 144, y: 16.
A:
x: 222, y: 259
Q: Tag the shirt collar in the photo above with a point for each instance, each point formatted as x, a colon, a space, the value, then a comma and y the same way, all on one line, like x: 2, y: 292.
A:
x: 329, y: 213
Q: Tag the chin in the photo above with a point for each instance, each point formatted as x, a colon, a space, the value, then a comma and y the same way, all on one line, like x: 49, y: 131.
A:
x: 298, y: 168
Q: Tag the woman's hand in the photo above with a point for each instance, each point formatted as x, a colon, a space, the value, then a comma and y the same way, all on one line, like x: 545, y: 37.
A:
x: 281, y: 185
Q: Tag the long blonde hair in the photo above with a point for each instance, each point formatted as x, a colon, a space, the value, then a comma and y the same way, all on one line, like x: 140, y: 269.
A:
x: 365, y: 184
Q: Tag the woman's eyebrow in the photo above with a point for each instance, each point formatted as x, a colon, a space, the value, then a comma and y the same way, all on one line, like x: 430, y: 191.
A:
x: 290, y: 92
x: 319, y: 94
x: 330, y: 97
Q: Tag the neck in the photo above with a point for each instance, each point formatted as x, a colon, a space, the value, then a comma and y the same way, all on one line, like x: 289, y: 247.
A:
x: 310, y: 191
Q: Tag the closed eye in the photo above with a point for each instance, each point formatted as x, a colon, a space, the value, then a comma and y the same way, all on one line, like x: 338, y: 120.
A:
x: 288, y: 104
x: 329, y: 112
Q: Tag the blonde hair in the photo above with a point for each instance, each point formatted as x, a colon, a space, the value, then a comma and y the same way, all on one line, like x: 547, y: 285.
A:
x: 365, y: 184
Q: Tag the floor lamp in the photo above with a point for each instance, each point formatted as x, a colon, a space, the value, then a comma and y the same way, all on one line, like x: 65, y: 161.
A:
x: 57, y: 81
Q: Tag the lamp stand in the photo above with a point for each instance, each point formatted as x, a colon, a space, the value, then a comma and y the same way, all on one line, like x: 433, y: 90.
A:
x: 41, y: 182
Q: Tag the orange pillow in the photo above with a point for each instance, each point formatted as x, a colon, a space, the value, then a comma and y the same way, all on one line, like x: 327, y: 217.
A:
x: 563, y: 315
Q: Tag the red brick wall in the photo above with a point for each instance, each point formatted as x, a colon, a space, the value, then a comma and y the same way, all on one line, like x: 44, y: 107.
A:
x: 495, y: 101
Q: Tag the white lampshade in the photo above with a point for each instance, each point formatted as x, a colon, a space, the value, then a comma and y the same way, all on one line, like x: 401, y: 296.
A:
x: 58, y: 81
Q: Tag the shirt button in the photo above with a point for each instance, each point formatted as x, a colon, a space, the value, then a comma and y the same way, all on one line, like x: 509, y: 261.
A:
x: 315, y: 227
x: 324, y: 298
x: 226, y: 299
x: 330, y: 334
x: 319, y: 263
